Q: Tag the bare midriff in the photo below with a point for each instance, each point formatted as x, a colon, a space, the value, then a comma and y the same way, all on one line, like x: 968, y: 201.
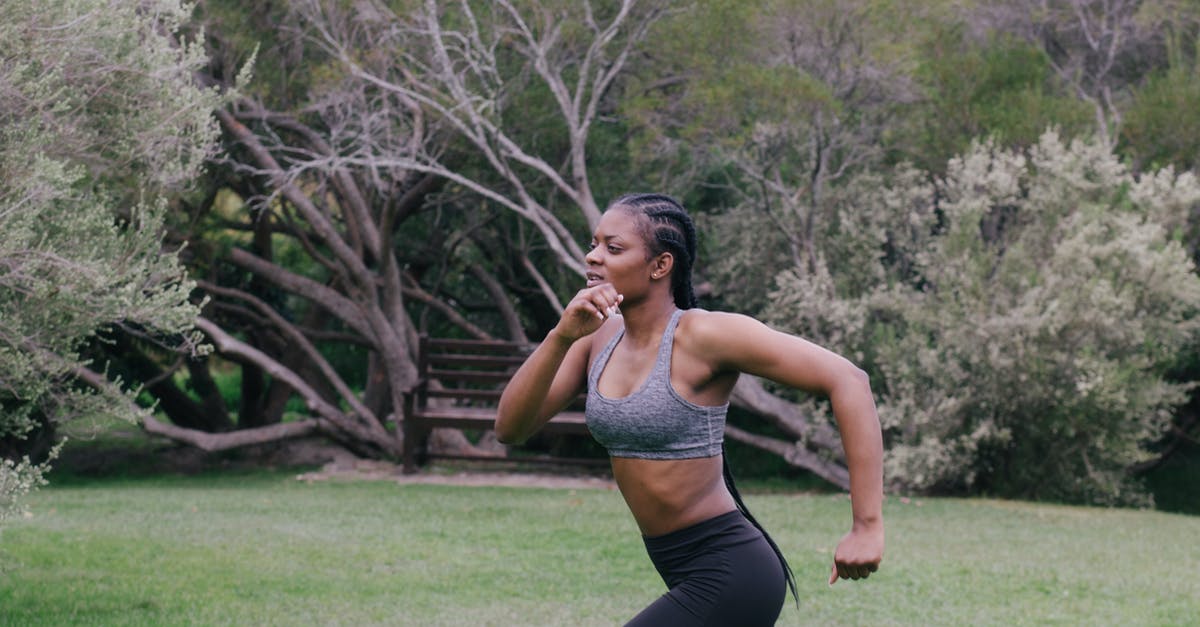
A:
x: 666, y: 495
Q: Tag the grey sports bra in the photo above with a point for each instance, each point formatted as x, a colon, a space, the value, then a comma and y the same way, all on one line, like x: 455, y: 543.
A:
x: 654, y: 422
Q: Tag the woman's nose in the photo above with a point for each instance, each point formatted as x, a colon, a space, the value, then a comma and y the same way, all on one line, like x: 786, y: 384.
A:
x: 592, y: 257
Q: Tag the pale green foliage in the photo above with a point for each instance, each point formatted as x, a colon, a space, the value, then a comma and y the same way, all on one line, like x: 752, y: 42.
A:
x: 18, y: 478
x: 99, y: 115
x: 1018, y: 316
x: 108, y: 84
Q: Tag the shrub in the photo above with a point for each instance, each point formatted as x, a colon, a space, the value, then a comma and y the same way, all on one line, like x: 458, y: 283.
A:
x: 99, y: 117
x: 1019, y: 316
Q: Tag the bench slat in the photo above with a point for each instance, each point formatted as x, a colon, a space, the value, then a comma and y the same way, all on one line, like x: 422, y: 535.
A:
x: 449, y: 359
x: 482, y: 395
x: 489, y: 413
x: 473, y: 376
x: 479, y: 346
x: 485, y: 418
x: 474, y: 394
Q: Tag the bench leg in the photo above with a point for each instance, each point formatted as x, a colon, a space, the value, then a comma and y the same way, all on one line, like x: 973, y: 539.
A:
x: 410, y: 449
x: 414, y: 441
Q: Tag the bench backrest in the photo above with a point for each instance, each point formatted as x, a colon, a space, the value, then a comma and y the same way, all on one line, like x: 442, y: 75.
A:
x: 470, y: 372
x: 474, y: 371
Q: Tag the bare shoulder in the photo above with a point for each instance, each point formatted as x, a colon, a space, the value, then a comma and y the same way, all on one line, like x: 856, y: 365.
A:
x: 732, y: 341
x: 702, y: 320
x: 712, y: 324
x: 720, y: 334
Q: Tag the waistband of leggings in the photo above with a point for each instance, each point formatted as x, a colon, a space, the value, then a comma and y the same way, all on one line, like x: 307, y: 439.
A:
x: 702, y: 529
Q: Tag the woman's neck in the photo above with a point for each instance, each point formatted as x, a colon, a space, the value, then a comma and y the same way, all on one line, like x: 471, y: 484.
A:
x: 645, y: 322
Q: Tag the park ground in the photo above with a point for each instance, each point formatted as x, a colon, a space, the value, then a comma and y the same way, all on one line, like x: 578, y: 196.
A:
x: 195, y: 541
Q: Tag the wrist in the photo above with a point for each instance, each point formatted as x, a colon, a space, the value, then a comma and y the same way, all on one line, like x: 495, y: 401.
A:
x: 868, y: 524
x: 556, y: 338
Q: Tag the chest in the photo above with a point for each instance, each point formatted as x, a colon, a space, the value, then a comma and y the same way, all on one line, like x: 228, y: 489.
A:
x: 640, y: 405
x: 630, y: 369
x: 627, y: 370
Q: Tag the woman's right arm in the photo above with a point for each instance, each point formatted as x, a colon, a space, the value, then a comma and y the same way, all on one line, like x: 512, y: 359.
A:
x: 557, y: 370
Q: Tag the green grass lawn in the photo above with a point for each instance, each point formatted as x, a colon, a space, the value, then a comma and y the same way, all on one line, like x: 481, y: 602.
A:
x: 265, y: 549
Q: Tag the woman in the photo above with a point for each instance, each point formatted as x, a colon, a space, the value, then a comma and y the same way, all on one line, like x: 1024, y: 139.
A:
x: 659, y: 374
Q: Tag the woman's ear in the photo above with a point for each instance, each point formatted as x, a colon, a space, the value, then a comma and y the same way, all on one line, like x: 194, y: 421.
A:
x: 662, y: 265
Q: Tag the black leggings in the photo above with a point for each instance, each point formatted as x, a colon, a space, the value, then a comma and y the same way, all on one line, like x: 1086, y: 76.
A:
x: 719, y: 572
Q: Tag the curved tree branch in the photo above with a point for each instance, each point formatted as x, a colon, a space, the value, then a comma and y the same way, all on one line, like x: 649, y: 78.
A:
x: 795, y: 454
x: 750, y: 394
x: 328, y: 298
x: 227, y: 344
x: 412, y: 290
x: 212, y: 442
x: 551, y: 297
x: 290, y: 332
x: 516, y: 333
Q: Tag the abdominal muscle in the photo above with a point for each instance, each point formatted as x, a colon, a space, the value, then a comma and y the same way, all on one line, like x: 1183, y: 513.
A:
x: 666, y: 495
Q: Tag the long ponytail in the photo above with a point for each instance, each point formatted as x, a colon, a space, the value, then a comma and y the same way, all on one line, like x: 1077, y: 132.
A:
x: 737, y: 498
x: 671, y: 230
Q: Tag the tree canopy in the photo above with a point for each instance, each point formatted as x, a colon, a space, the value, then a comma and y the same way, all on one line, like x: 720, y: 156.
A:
x: 966, y: 198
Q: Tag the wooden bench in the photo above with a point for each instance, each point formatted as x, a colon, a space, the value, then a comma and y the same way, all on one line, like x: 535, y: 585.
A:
x: 464, y: 380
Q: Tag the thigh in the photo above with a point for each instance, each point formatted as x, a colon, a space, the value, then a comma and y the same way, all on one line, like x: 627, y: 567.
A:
x: 665, y: 611
x: 755, y: 589
x: 737, y: 585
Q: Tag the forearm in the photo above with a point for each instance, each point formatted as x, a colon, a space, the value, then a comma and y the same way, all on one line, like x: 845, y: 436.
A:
x: 862, y: 439
x: 518, y: 414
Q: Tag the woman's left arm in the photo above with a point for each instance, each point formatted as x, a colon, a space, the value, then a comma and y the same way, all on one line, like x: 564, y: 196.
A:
x: 741, y: 343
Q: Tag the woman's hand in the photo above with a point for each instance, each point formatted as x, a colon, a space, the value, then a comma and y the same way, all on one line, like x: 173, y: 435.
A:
x: 587, y: 311
x: 556, y: 371
x: 858, y: 554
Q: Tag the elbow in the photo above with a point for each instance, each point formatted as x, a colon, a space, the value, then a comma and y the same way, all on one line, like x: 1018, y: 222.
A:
x: 860, y: 377
x: 852, y: 381
x: 508, y: 439
x: 506, y: 433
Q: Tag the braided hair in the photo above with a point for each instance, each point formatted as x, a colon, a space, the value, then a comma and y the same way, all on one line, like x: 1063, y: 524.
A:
x: 666, y: 227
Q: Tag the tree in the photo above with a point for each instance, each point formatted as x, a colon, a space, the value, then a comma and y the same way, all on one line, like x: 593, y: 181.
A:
x: 1002, y: 87
x: 435, y: 100
x: 402, y: 182
x: 438, y: 92
x: 803, y: 95
x: 432, y: 166
x: 465, y: 66
x: 1021, y: 317
x: 99, y: 118
x: 1100, y: 49
x: 1165, y: 110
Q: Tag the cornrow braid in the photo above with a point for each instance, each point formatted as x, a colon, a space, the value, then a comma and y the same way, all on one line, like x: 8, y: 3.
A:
x: 669, y: 228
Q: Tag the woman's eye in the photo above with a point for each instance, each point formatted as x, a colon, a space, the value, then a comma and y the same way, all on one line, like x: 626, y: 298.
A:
x: 614, y: 250
x: 592, y: 246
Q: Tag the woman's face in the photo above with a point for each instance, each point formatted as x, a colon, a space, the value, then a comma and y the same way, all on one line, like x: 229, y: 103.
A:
x: 619, y: 255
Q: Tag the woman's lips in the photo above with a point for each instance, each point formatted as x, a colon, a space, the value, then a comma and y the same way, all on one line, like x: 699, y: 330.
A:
x: 594, y: 279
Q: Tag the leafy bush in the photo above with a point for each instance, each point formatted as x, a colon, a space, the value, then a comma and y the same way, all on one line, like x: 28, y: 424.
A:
x: 1018, y: 316
x: 99, y: 115
x: 16, y: 480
